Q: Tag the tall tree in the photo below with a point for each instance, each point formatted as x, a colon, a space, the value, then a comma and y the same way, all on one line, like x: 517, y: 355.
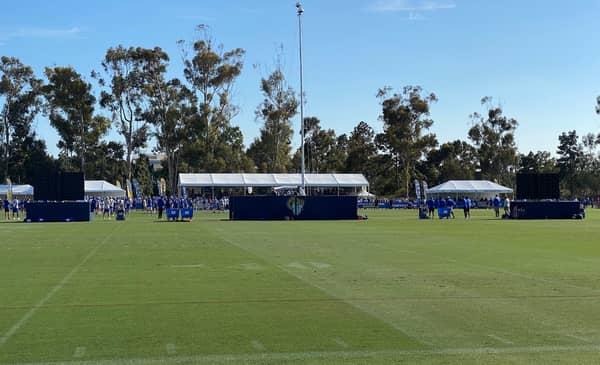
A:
x: 212, y: 72
x: 493, y: 135
x: 538, y: 162
x: 271, y: 151
x: 20, y: 97
x: 361, y: 149
x: 324, y: 151
x: 71, y: 105
x: 406, y: 120
x: 454, y: 160
x: 171, y: 110
x: 124, y: 78
x: 570, y: 160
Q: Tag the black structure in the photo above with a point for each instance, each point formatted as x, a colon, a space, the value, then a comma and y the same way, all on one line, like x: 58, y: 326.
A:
x: 59, y: 186
x: 538, y: 186
x: 57, y: 212
x: 546, y: 210
x: 538, y: 198
x: 58, y: 197
x: 292, y: 208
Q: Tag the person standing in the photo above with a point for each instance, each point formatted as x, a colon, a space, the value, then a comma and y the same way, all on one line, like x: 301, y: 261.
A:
x: 431, y: 207
x: 450, y: 204
x: 467, y: 207
x: 496, y: 205
x: 161, y: 205
x: 6, y: 205
x: 507, y: 206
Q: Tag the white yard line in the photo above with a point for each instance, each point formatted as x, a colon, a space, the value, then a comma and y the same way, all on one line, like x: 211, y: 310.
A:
x: 303, y: 356
x: 79, y: 352
x: 171, y: 349
x: 258, y: 346
x: 583, y: 339
x: 341, y: 342
x: 363, y: 307
x: 15, y: 327
x: 501, y: 339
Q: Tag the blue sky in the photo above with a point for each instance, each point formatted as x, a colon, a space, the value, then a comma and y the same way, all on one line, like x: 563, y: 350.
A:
x: 539, y: 59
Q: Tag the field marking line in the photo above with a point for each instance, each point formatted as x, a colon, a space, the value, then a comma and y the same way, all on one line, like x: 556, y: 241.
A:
x: 79, y: 352
x: 258, y: 346
x: 15, y: 327
x: 583, y: 339
x: 359, y: 306
x: 501, y: 339
x: 171, y: 349
x: 341, y: 342
x: 324, y: 355
x: 188, y: 266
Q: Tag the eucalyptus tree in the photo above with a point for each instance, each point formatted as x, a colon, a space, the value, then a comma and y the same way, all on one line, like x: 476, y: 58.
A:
x: 405, y: 139
x: 271, y: 151
x: 361, y: 149
x: 124, y: 77
x: 71, y: 104
x: 20, y: 103
x: 493, y: 135
x: 211, y: 73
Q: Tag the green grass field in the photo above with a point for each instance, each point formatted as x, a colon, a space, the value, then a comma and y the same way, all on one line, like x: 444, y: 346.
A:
x: 389, y: 290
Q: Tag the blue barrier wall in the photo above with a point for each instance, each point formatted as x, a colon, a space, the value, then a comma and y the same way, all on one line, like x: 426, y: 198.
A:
x: 292, y: 207
x: 544, y: 210
x: 58, y: 212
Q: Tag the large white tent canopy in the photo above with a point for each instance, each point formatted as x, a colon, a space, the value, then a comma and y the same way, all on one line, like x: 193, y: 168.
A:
x: 103, y: 188
x: 272, y: 180
x: 20, y: 190
x: 469, y: 187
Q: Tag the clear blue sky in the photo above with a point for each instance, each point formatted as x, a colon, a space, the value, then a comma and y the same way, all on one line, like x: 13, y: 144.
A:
x: 539, y: 59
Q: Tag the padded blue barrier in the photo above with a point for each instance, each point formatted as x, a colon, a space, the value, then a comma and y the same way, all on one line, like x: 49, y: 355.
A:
x: 187, y: 213
x: 57, y: 212
x: 120, y: 215
x: 444, y: 213
x: 292, y: 207
x: 546, y: 210
x: 172, y: 214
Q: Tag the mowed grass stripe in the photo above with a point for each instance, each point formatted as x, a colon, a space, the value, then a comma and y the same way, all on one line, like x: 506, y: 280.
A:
x: 262, y: 358
x: 15, y: 327
x: 217, y: 308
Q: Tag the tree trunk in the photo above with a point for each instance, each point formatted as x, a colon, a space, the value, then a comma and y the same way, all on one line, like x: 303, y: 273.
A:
x: 6, y: 141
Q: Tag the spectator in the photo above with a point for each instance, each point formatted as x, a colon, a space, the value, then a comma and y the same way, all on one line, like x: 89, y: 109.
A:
x: 496, y: 205
x: 507, y: 205
x: 467, y: 207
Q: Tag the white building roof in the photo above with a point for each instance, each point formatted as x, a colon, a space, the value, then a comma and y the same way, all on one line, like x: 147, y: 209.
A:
x: 17, y: 189
x: 102, y: 187
x: 272, y: 180
x: 469, y: 186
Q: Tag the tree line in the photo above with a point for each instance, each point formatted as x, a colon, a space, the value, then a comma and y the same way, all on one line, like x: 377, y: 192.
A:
x: 190, y: 118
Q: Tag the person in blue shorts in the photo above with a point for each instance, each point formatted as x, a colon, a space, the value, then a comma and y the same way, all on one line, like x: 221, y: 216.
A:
x: 6, y: 205
x: 496, y: 205
x: 15, y: 209
x: 467, y: 207
x: 450, y: 204
x: 431, y: 207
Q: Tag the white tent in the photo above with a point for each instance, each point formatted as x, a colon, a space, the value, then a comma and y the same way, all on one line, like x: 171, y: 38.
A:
x: 18, y: 190
x: 102, y: 188
x: 272, y: 180
x: 460, y: 187
x: 365, y: 194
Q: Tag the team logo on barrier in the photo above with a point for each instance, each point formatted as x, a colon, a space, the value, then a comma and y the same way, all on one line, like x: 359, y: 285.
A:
x: 295, y: 205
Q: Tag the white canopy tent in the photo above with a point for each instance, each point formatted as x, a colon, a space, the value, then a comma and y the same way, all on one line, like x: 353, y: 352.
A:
x: 17, y: 190
x: 469, y: 187
x: 102, y: 188
x: 272, y: 180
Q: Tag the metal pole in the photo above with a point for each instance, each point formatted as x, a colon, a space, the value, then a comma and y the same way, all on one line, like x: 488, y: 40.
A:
x: 300, y: 11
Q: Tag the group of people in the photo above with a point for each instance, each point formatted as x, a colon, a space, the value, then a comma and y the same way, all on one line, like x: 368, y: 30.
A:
x: 12, y: 208
x: 467, y: 204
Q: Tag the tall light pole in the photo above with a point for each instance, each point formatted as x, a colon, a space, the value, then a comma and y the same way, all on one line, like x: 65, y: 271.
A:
x: 300, y: 11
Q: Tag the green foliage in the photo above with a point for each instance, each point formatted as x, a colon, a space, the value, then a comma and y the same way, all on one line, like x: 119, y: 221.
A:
x: 127, y: 71
x: 216, y: 145
x: 20, y: 93
x: 404, y: 141
x: 271, y: 151
x: 143, y: 174
x: 454, y: 160
x: 493, y: 136
x: 71, y: 104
